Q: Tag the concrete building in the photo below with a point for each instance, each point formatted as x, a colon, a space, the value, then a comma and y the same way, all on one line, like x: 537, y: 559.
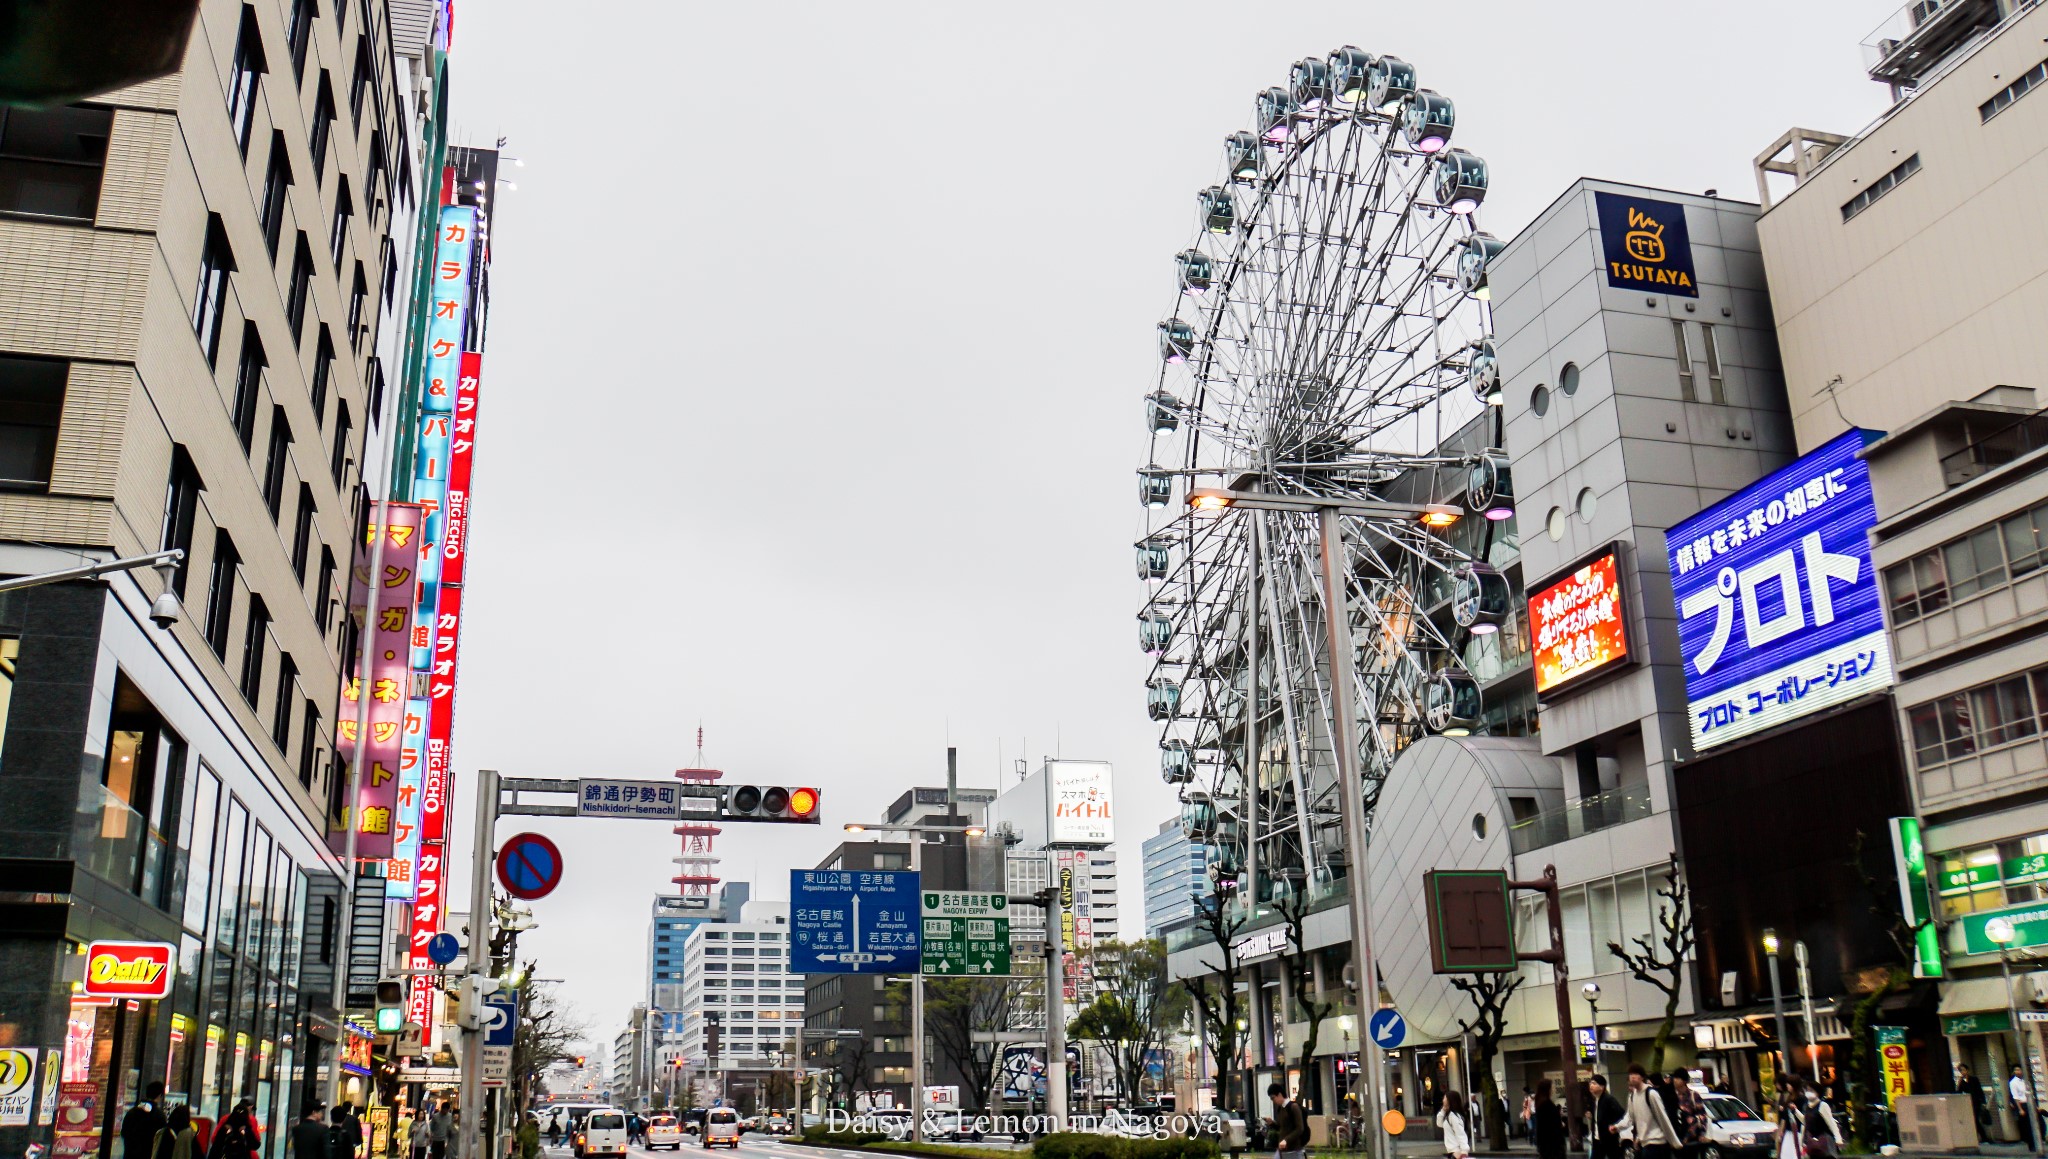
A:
x: 926, y: 804
x: 1176, y: 874
x: 672, y: 919
x: 736, y: 975
x: 197, y: 274
x: 1907, y: 265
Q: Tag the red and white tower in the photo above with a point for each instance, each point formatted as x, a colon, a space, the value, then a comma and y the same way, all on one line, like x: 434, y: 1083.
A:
x: 697, y: 868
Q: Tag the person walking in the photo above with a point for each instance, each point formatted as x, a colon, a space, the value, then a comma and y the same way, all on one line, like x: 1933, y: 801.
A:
x: 1968, y: 1084
x: 177, y: 1140
x: 308, y: 1136
x: 555, y: 1128
x: 1546, y: 1124
x: 1290, y: 1126
x: 235, y: 1138
x: 1456, y: 1128
x: 1821, y: 1135
x: 1605, y: 1114
x: 1649, y: 1123
x: 142, y: 1123
x: 1528, y: 1114
x: 2016, y: 1093
x: 440, y: 1128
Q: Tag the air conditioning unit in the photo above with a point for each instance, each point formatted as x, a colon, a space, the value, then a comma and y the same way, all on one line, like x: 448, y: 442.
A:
x: 1936, y: 1123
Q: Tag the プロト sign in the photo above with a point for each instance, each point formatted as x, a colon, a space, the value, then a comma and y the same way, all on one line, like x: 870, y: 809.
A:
x: 1779, y: 610
x: 853, y: 921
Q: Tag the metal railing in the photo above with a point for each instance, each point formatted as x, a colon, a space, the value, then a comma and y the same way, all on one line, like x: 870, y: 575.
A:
x: 1586, y: 815
x: 2022, y: 436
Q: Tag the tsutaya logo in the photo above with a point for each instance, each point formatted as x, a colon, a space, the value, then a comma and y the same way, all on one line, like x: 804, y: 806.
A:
x: 1646, y: 245
x: 128, y: 970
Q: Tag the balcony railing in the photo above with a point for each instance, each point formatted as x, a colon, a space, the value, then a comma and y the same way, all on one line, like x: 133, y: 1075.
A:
x: 1586, y: 815
x: 2022, y: 436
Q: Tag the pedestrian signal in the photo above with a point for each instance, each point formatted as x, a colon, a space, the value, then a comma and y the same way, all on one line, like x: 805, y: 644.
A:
x: 792, y: 805
x: 390, y: 1007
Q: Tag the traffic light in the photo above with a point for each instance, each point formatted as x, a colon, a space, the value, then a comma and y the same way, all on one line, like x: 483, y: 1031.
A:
x: 469, y: 1000
x: 789, y: 804
x: 390, y: 1007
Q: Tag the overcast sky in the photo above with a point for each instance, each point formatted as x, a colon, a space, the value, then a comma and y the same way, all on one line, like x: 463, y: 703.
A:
x: 819, y: 332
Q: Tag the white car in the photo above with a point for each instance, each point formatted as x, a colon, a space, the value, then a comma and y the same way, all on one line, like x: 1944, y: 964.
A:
x: 604, y: 1133
x: 951, y: 1127
x: 1733, y: 1129
x: 721, y: 1128
x: 664, y: 1131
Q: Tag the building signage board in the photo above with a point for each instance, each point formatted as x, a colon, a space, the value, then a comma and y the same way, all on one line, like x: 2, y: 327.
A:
x: 1779, y: 612
x: 426, y: 922
x: 385, y: 624
x: 1898, y: 1068
x: 1577, y: 624
x: 1909, y: 860
x: 461, y: 465
x: 966, y: 933
x: 1080, y: 803
x: 641, y: 800
x: 17, y: 1085
x: 853, y: 921
x: 1645, y: 244
x: 405, y: 825
x: 2029, y: 928
x: 129, y: 969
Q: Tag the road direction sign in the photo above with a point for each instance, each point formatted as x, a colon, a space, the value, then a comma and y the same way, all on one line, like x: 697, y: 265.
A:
x: 529, y: 866
x: 635, y: 800
x: 853, y: 921
x: 1387, y: 1028
x: 966, y: 933
x: 443, y: 949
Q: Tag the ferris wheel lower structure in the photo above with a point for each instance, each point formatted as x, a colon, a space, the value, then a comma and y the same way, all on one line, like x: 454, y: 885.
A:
x: 1330, y: 331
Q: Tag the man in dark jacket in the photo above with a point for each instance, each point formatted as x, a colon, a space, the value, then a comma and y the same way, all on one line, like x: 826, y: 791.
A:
x: 143, y: 1120
x: 1607, y: 1113
x: 309, y: 1135
x: 1967, y: 1083
x: 1290, y: 1126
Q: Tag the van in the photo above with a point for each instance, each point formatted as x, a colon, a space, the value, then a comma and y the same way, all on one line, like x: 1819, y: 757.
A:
x: 664, y: 1131
x: 604, y: 1133
x: 721, y: 1128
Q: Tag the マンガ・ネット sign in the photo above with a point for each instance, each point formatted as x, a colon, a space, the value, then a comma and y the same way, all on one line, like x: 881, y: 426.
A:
x: 1779, y: 611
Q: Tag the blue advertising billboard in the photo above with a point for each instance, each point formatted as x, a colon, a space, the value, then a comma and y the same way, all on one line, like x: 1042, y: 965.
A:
x: 1779, y: 611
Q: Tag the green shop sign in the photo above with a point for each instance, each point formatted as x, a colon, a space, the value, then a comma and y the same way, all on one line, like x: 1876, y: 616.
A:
x: 2029, y: 928
x: 1988, y: 1022
x: 2021, y: 870
x: 1955, y: 881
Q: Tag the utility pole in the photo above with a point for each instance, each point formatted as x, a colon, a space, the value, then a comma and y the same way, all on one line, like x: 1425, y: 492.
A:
x: 1055, y: 1011
x: 479, y: 960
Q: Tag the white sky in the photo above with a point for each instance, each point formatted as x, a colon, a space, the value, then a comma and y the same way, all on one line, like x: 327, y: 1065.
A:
x: 812, y: 402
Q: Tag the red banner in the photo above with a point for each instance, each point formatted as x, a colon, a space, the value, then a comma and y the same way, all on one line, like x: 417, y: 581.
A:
x: 427, y: 915
x: 461, y: 458
x: 386, y: 651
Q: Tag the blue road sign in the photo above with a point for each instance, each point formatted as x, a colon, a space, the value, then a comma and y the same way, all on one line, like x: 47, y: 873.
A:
x: 501, y: 1018
x: 854, y: 921
x: 443, y: 949
x: 1388, y: 1028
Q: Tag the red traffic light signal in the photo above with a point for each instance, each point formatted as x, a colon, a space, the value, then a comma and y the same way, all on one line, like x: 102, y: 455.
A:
x: 775, y: 803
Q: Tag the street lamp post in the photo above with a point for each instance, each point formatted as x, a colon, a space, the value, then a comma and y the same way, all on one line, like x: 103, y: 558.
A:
x: 917, y: 833
x: 1592, y: 992
x: 2001, y: 933
x: 1806, y: 1007
x: 1350, y: 783
x: 1778, y: 1015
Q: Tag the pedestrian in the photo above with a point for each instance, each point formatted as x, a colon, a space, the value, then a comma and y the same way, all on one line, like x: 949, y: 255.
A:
x: 555, y: 1128
x: 140, y: 1125
x: 355, y: 1129
x: 1968, y: 1084
x: 1546, y: 1124
x: 1821, y: 1135
x: 177, y: 1140
x: 401, y: 1133
x: 1528, y: 1114
x: 1649, y: 1122
x: 1290, y: 1126
x: 440, y: 1128
x: 1791, y: 1141
x: 235, y: 1138
x: 1456, y: 1128
x: 1692, y: 1113
x: 1605, y: 1115
x: 308, y: 1136
x: 2016, y: 1093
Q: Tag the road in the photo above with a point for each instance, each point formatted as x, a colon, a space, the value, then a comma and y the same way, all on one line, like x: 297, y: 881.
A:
x: 752, y: 1146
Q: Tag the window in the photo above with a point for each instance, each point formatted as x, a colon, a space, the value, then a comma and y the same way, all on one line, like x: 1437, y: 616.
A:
x: 1684, y: 349
x: 359, y: 294
x: 359, y: 83
x: 242, y: 77
x: 277, y: 184
x: 372, y: 183
x: 300, y: 289
x: 2002, y: 712
x: 373, y: 374
x: 51, y: 161
x: 255, y: 642
x: 1881, y: 186
x: 1916, y: 588
x: 141, y: 788
x: 891, y: 1074
x: 275, y: 462
x: 302, y: 534
x: 181, y: 513
x: 341, y: 425
x: 299, y: 34
x: 323, y: 592
x: 1712, y: 344
x: 2026, y: 541
x: 220, y: 593
x: 281, y: 716
x: 210, y: 304
x: 2032, y: 79
x: 248, y: 387
x: 323, y: 126
x: 31, y: 409
x: 1975, y: 563
x: 344, y: 208
x: 323, y: 373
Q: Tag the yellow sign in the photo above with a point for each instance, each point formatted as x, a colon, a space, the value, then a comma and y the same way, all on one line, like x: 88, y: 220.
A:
x: 1393, y: 1122
x: 1898, y: 1067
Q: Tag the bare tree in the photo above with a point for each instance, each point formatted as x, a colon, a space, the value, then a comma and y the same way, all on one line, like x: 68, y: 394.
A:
x: 1489, y: 994
x: 1135, y: 1006
x: 1215, y: 998
x: 1660, y: 960
x: 954, y: 1008
x: 548, y: 1034
x: 1298, y: 963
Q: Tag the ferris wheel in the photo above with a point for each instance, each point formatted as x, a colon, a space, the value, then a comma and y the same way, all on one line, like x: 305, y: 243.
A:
x: 1330, y: 331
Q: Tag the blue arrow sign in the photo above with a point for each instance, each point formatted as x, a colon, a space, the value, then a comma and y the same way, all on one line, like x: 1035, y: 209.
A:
x: 853, y: 922
x: 1388, y: 1028
x: 443, y: 949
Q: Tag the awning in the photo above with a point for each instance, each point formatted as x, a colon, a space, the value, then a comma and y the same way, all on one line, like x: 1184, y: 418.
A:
x: 1974, y: 996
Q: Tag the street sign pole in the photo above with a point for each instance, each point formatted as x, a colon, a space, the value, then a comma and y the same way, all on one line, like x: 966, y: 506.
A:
x: 479, y: 959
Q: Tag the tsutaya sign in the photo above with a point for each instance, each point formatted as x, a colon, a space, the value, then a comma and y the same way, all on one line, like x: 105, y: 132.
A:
x: 1779, y: 612
x: 1645, y: 244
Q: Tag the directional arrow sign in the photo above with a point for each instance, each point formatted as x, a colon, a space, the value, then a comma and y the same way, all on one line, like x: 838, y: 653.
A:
x: 853, y: 922
x: 966, y: 933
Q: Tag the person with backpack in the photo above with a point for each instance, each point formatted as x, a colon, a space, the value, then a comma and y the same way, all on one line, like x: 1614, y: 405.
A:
x: 1691, y: 1113
x: 143, y: 1123
x: 340, y: 1139
x: 235, y: 1138
x: 177, y: 1140
x: 309, y: 1135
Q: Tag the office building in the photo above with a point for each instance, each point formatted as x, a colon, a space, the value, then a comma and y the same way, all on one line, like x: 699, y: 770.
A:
x: 673, y: 917
x: 736, y: 976
x: 1176, y: 876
